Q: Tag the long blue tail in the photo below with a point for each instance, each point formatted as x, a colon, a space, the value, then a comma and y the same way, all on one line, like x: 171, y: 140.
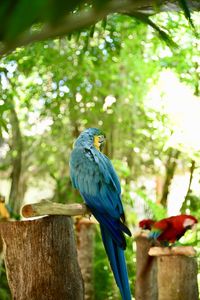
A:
x: 115, y: 243
x: 117, y: 262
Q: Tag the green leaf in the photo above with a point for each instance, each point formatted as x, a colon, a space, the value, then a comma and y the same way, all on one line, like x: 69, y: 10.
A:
x: 164, y: 36
x: 104, y: 23
x: 92, y: 31
x: 186, y: 10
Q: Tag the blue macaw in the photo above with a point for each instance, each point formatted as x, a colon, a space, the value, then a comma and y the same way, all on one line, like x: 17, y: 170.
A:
x: 93, y: 175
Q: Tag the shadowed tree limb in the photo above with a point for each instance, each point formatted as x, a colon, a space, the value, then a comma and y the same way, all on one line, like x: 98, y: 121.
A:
x: 75, y: 21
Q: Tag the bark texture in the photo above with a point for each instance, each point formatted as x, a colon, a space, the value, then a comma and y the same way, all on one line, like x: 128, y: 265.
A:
x: 165, y: 275
x: 16, y: 149
x: 146, y: 272
x: 177, y: 278
x: 46, y: 207
x: 86, y: 231
x: 170, y: 172
x: 41, y: 259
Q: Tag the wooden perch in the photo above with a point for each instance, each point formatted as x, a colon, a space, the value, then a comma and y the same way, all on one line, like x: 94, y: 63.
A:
x: 46, y: 207
x: 146, y: 270
x: 140, y: 233
x: 167, y: 251
x: 165, y: 273
x: 177, y: 277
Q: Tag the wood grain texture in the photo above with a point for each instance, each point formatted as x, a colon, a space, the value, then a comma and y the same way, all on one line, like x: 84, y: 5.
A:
x: 46, y: 207
x: 146, y: 271
x: 41, y: 259
x: 168, y: 274
x: 177, y: 278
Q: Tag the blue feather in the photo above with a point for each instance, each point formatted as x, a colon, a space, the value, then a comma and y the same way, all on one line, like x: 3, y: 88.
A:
x: 94, y: 176
x: 154, y: 234
x: 118, y: 264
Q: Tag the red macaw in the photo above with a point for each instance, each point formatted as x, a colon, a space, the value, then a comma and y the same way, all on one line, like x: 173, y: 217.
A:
x: 172, y: 229
x: 146, y: 224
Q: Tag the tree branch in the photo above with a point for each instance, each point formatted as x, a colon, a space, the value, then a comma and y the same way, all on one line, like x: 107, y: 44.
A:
x: 46, y: 207
x: 76, y: 21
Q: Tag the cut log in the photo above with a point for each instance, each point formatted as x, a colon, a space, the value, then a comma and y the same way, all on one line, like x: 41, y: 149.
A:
x: 46, y: 207
x: 41, y: 259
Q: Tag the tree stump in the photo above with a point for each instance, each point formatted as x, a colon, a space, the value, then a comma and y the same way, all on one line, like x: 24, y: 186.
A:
x: 85, y: 246
x: 176, y: 273
x: 146, y: 271
x: 41, y: 259
x: 165, y: 273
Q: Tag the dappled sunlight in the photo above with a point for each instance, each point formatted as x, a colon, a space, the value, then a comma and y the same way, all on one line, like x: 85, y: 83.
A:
x: 183, y: 109
x: 177, y: 194
x: 178, y: 102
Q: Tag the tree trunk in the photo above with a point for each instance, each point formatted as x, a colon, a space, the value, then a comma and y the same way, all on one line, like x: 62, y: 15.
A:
x: 41, y: 259
x: 170, y: 171
x: 177, y: 278
x: 146, y: 271
x: 86, y: 231
x: 16, y: 149
x: 192, y: 168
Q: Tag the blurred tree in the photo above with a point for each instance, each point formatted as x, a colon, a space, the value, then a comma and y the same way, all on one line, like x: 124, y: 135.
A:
x: 88, y: 86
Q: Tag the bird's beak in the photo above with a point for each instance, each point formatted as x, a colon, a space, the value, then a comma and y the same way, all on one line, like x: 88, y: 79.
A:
x: 194, y: 227
x: 101, y: 141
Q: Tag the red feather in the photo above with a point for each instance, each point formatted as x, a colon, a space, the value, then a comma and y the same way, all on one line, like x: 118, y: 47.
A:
x: 173, y: 228
x: 146, y: 224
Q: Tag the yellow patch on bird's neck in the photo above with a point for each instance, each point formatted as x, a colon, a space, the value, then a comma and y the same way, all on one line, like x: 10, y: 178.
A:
x: 96, y: 142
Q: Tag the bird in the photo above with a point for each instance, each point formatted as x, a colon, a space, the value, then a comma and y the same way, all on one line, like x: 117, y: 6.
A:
x: 93, y: 174
x: 146, y: 224
x: 170, y: 230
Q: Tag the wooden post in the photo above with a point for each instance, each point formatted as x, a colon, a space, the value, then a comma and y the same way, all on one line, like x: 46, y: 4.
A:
x: 41, y: 259
x: 85, y: 245
x: 146, y: 271
x: 176, y: 273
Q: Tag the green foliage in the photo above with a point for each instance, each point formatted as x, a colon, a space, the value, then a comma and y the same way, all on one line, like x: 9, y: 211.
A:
x: 191, y: 205
x: 162, y: 33
x: 49, y: 19
x: 186, y: 10
x: 4, y: 289
x: 99, y: 77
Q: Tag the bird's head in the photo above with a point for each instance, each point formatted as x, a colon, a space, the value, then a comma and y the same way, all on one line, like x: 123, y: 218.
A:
x: 91, y: 137
x: 189, y: 222
x: 146, y: 224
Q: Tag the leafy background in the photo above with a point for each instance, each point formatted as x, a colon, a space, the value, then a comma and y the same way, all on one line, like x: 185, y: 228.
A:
x: 102, y: 77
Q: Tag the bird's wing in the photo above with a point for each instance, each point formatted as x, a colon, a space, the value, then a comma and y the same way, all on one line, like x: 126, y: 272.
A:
x: 94, y: 176
x: 158, y: 228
